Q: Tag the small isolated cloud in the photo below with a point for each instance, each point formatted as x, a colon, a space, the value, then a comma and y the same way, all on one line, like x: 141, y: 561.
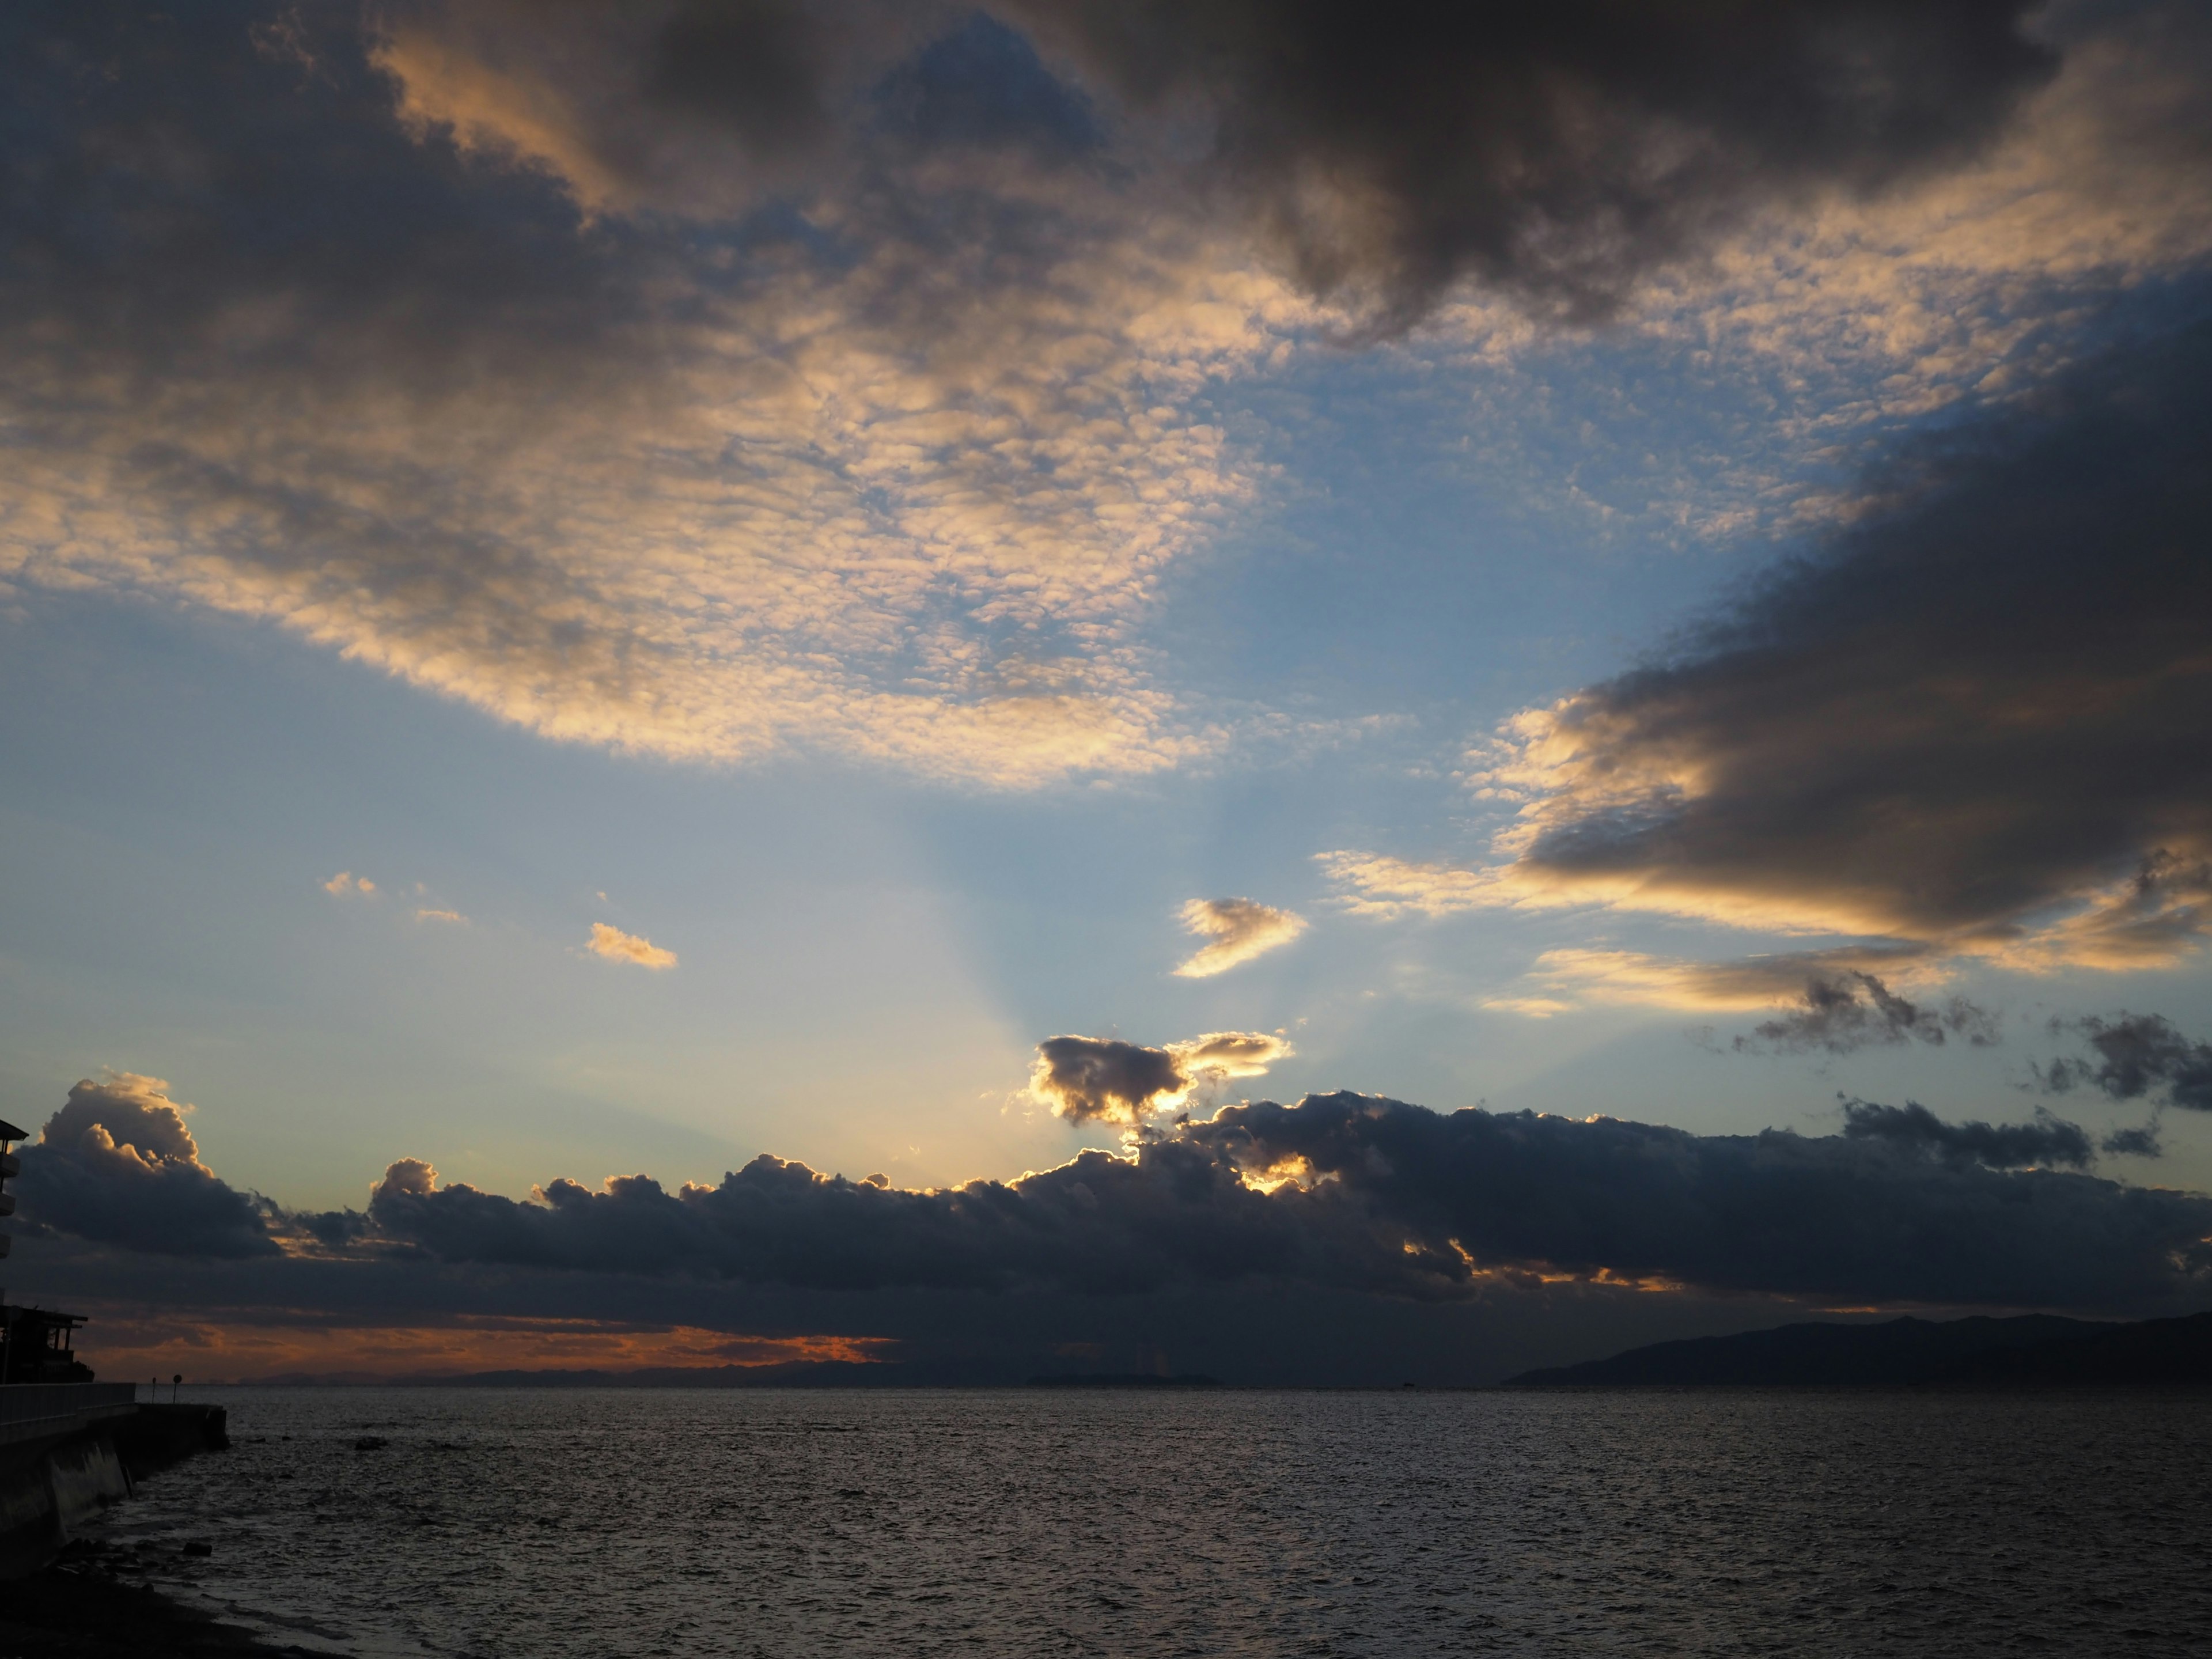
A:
x: 616, y: 945
x: 1099, y: 1079
x: 345, y: 883
x: 2140, y: 1141
x: 442, y: 916
x: 1529, y: 1007
x: 2137, y: 1055
x: 1241, y: 929
x: 1842, y: 1011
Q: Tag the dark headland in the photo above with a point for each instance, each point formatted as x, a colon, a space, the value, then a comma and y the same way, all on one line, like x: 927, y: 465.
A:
x: 2032, y: 1351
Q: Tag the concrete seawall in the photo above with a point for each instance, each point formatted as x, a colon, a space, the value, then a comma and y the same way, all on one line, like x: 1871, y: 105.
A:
x: 69, y: 1450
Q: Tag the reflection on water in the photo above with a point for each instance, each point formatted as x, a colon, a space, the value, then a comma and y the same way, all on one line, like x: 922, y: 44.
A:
x: 536, y: 1522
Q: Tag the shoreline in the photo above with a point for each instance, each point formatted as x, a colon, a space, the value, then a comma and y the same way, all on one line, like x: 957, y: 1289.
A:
x: 77, y: 1607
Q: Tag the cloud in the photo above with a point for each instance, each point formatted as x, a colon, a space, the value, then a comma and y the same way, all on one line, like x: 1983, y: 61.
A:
x: 118, y: 1164
x: 616, y: 945
x: 1240, y: 928
x: 1856, y: 1010
x: 1971, y: 724
x: 1745, y: 982
x: 1098, y: 1224
x: 2141, y: 1141
x: 451, y: 916
x: 1087, y: 1079
x: 1359, y: 1193
x: 881, y: 450
x: 1376, y: 884
x: 1344, y: 1193
x: 345, y: 882
x: 2050, y: 1141
x: 1558, y: 156
x: 1862, y: 1217
x: 718, y: 381
x: 2137, y: 1055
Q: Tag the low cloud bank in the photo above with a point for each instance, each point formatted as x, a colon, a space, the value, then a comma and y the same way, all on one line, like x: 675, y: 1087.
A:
x: 2048, y: 1140
x: 1341, y: 1192
x: 1860, y: 1216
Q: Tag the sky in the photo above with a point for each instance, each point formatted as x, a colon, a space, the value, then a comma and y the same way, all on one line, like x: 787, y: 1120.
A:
x: 1323, y: 693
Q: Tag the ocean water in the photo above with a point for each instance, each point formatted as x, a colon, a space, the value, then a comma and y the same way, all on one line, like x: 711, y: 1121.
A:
x: 543, y: 1523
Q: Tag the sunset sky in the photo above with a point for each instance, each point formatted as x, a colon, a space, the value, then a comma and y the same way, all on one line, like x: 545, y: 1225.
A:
x: 588, y: 593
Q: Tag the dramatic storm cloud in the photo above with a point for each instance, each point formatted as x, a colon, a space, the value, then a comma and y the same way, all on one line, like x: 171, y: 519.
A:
x: 1975, y: 722
x: 1558, y: 152
x: 118, y: 1165
x: 1240, y: 929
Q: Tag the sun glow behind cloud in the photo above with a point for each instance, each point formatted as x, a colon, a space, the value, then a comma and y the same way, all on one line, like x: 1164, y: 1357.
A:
x: 260, y: 1344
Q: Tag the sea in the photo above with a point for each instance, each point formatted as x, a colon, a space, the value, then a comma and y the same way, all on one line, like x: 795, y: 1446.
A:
x: 545, y: 1523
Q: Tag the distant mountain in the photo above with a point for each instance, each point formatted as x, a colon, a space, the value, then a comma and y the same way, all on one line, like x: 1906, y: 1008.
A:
x: 2035, y: 1349
x: 1122, y: 1380
x: 2162, y: 1351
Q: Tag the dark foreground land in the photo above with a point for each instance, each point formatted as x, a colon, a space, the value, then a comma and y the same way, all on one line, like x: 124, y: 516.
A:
x: 77, y: 1609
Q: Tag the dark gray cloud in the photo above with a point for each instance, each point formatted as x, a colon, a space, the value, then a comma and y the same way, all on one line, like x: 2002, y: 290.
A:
x: 1395, y: 1200
x: 2141, y: 1141
x: 2137, y: 1055
x: 118, y: 1165
x: 1862, y: 1218
x: 1981, y: 707
x: 1099, y: 1224
x: 1341, y: 1192
x: 1854, y: 1010
x: 2048, y: 1141
x: 1556, y: 152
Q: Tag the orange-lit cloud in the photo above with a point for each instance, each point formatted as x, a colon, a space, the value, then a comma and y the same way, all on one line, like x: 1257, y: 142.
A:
x: 345, y: 882
x: 616, y: 945
x: 1949, y: 730
x: 1739, y: 985
x: 1240, y: 929
x: 552, y: 453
